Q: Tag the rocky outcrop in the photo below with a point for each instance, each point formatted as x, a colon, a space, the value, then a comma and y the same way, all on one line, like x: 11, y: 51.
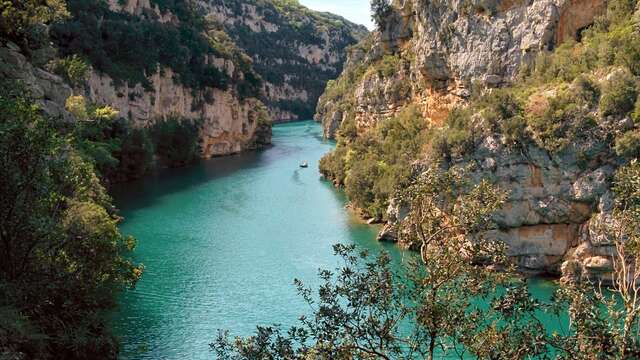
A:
x: 444, y: 51
x: 229, y: 125
x: 555, y: 209
x: 294, y: 49
x: 48, y: 90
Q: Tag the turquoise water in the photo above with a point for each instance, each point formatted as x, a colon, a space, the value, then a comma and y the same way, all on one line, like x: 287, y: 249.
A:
x: 223, y: 240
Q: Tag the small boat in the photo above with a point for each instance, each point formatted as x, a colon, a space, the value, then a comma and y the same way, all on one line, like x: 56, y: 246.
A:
x: 304, y: 164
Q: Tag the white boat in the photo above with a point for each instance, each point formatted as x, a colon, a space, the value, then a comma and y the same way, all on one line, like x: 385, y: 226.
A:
x: 304, y: 164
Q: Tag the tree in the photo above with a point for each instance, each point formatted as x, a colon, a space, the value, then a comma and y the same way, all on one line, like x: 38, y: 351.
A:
x: 380, y: 10
x: 62, y: 259
x: 364, y: 310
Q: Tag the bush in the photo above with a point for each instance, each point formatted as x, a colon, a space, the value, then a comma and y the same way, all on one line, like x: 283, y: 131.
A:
x: 135, y: 155
x: 19, y: 17
x: 628, y: 145
x: 619, y: 94
x: 390, y: 65
x: 73, y: 69
x: 63, y: 261
x: 514, y: 130
x: 635, y: 115
x: 456, y: 138
x: 333, y: 165
x: 563, y: 122
x: 378, y: 162
x: 360, y: 181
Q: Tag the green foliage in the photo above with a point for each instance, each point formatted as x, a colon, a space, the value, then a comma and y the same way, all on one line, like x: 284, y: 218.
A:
x: 628, y: 145
x: 390, y: 65
x: 377, y: 162
x: 619, y: 94
x: 135, y: 154
x: 73, y: 69
x: 565, y: 120
x: 457, y: 136
x: 380, y: 10
x: 333, y: 165
x: 176, y: 140
x: 63, y: 260
x: 118, y: 151
x: 19, y: 18
x: 130, y: 48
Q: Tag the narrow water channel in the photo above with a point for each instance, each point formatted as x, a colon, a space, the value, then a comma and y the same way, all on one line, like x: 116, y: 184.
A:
x: 223, y: 240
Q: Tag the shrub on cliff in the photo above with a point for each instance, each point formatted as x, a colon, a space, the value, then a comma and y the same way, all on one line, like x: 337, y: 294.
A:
x: 564, y: 121
x: 73, y: 69
x: 619, y: 94
x: 628, y: 145
x: 132, y: 48
x: 380, y: 10
x: 378, y: 161
x: 20, y: 19
x: 333, y: 166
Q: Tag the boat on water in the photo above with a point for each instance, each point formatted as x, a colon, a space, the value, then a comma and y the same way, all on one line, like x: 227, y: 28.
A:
x: 304, y: 164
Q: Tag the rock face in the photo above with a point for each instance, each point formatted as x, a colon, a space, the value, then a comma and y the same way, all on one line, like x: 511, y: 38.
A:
x: 230, y: 125
x: 49, y: 91
x: 555, y: 210
x: 294, y: 49
x: 443, y: 51
x: 436, y: 55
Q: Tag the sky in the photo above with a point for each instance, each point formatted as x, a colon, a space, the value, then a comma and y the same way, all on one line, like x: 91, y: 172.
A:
x: 356, y: 11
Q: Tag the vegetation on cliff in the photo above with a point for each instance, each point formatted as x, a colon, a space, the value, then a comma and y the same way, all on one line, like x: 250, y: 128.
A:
x: 565, y: 101
x: 121, y: 152
x: 132, y: 48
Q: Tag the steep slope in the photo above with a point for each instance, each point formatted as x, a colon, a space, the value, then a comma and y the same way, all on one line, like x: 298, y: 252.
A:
x: 295, y: 50
x: 437, y: 54
x: 501, y: 88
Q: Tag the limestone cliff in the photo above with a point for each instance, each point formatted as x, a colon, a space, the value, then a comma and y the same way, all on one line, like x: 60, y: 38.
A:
x: 230, y: 124
x: 440, y: 52
x: 294, y: 49
x: 438, y: 55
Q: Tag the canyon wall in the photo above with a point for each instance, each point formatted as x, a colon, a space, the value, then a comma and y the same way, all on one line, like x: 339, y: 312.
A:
x: 438, y: 55
x: 294, y: 49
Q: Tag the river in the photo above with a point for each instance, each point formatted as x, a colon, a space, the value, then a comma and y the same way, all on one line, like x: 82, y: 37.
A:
x: 222, y: 241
